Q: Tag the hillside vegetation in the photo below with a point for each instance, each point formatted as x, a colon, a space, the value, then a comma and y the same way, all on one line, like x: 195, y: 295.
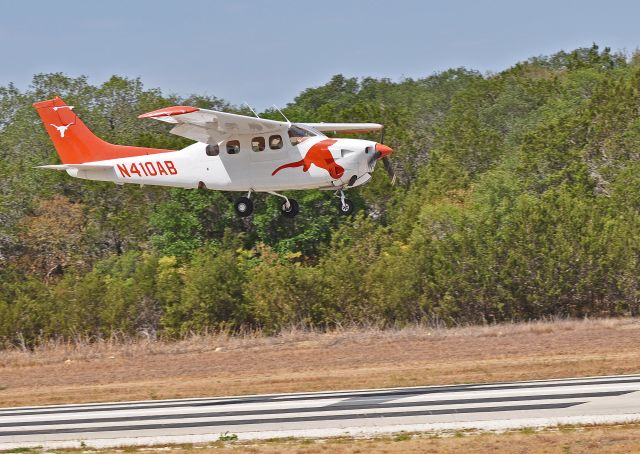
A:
x: 518, y: 198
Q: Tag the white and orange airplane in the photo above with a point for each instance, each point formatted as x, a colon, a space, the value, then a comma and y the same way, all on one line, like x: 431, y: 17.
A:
x: 232, y: 153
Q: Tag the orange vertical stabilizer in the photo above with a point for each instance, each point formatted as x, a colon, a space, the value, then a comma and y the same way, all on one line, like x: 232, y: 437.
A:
x: 74, y: 142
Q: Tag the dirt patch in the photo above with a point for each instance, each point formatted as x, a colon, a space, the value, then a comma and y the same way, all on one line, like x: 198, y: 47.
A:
x: 308, y: 361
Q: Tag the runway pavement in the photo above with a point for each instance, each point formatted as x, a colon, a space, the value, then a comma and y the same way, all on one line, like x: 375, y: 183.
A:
x: 492, y: 406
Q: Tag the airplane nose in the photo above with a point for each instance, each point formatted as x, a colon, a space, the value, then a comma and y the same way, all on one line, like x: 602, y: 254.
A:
x: 383, y: 150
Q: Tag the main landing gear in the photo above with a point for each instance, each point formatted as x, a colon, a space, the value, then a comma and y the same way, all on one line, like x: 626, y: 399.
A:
x: 244, y: 206
x: 289, y: 208
x: 346, y: 206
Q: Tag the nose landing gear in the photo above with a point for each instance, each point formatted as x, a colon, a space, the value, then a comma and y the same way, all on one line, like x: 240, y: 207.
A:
x: 346, y: 206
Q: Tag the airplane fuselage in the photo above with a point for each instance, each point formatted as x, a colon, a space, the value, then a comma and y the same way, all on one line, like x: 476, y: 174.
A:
x: 244, y: 168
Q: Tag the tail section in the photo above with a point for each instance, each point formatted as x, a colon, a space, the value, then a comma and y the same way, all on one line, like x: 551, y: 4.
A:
x: 74, y: 142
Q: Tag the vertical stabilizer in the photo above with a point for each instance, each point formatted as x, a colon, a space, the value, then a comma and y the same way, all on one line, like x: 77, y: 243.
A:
x: 74, y: 142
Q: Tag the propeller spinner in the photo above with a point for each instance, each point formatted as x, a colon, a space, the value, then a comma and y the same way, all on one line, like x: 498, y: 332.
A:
x: 382, y: 152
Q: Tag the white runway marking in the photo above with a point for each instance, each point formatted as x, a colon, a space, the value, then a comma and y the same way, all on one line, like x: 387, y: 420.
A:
x: 482, y: 406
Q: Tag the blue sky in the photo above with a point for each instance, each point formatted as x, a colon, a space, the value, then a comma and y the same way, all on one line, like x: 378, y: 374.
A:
x: 266, y: 52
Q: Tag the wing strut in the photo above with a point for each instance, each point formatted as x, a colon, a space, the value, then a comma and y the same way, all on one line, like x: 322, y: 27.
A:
x: 283, y: 115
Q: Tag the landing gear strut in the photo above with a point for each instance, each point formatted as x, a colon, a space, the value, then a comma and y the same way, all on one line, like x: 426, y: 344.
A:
x: 346, y: 206
x: 289, y: 208
x: 244, y: 206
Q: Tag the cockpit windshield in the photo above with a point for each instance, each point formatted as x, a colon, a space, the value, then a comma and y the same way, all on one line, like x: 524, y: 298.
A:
x: 300, y: 133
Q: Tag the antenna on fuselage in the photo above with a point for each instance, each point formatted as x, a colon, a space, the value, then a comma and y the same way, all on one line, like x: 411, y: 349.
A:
x: 251, y: 109
x: 285, y: 117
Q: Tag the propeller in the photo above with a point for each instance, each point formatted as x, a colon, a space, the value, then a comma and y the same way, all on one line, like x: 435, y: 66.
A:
x: 383, y: 151
x: 389, y: 168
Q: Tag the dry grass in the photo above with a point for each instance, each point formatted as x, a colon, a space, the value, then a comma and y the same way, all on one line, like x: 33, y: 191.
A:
x: 309, y: 361
x: 571, y: 440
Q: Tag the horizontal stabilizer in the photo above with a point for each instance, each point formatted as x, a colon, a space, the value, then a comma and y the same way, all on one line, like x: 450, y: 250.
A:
x: 77, y: 166
x: 161, y: 114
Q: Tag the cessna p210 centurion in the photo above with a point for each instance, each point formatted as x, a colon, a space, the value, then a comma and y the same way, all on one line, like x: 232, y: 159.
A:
x: 232, y: 153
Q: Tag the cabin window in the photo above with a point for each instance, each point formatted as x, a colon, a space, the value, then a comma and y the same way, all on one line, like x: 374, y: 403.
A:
x: 298, y: 134
x: 213, y: 150
x: 233, y: 147
x: 257, y: 144
x: 275, y: 142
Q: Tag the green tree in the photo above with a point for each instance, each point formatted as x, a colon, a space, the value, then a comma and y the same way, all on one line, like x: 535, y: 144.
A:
x: 212, y: 295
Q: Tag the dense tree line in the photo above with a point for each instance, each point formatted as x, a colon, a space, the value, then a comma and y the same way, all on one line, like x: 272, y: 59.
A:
x: 518, y: 198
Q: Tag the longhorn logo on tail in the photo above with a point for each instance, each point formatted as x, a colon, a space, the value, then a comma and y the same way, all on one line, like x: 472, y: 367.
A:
x: 320, y: 156
x: 61, y: 129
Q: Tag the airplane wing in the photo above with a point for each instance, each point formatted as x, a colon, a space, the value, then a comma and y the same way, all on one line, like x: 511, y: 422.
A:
x: 346, y: 128
x: 211, y: 126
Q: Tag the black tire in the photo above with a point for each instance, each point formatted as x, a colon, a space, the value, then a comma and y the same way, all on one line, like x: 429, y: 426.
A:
x: 243, y: 207
x: 293, y: 210
x: 347, y: 208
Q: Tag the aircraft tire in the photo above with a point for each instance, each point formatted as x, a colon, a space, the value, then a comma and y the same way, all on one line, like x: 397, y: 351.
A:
x: 347, y: 208
x: 243, y: 207
x: 293, y: 210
